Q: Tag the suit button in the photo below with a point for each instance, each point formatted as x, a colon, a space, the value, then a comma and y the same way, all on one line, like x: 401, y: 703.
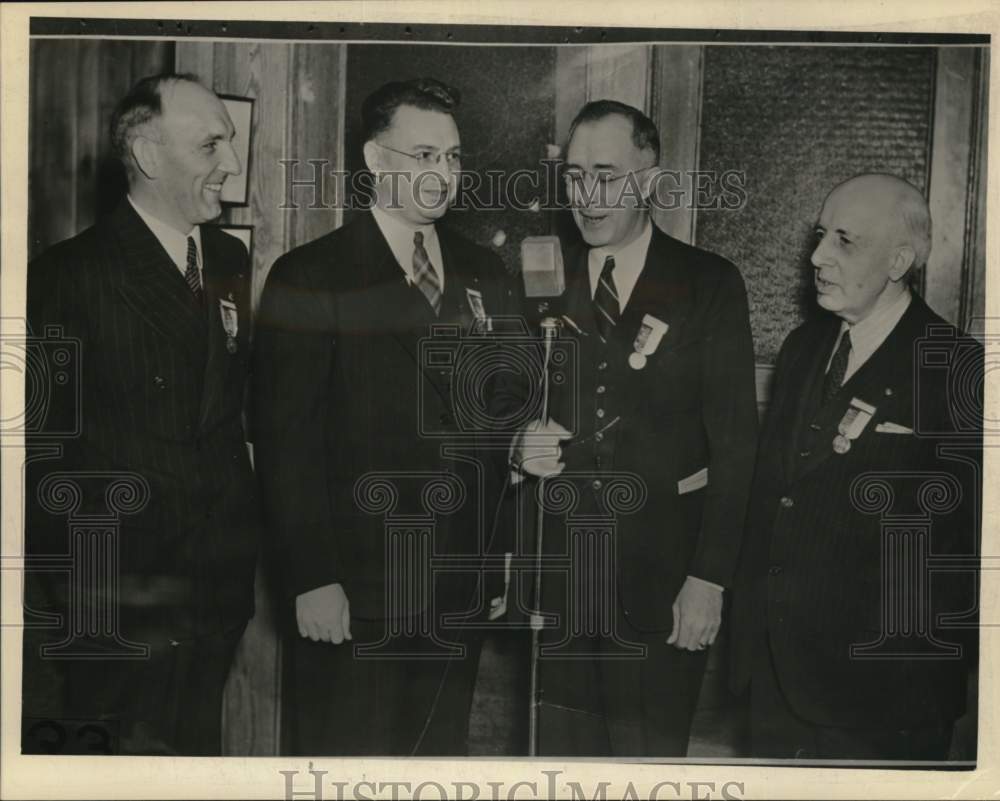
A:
x: 774, y: 570
x: 787, y: 502
x: 804, y: 454
x: 599, y: 436
x: 601, y: 389
x: 159, y: 382
x: 597, y: 483
x: 602, y: 366
x: 600, y: 413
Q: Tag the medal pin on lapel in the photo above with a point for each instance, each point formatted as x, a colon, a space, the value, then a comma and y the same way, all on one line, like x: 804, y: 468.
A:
x: 646, y: 342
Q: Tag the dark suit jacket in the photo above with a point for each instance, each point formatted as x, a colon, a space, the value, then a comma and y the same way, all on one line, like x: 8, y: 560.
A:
x: 160, y: 396
x: 343, y: 389
x: 810, y: 571
x: 692, y: 406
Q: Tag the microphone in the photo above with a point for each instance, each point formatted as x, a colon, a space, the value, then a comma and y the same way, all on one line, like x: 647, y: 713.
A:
x: 542, y: 267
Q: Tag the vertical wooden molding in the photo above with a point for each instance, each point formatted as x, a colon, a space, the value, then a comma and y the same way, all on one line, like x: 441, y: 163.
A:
x: 197, y: 58
x: 317, y: 93
x: 950, y: 179
x: 676, y: 110
x: 973, y: 309
x: 571, y: 87
x: 619, y: 72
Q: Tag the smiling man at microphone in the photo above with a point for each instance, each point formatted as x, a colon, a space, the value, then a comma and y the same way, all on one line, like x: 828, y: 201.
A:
x: 665, y: 396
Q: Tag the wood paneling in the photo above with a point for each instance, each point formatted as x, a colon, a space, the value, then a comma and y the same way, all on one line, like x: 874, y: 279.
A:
x: 675, y: 107
x: 620, y: 72
x: 298, y: 114
x: 950, y: 174
x: 74, y: 86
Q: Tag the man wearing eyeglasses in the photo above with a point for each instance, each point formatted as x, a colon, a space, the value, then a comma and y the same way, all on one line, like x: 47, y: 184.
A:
x: 667, y: 403
x: 344, y: 396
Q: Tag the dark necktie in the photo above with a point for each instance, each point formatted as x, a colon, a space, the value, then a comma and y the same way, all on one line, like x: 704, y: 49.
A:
x: 424, y: 275
x: 834, y: 377
x: 607, y: 309
x: 191, y: 274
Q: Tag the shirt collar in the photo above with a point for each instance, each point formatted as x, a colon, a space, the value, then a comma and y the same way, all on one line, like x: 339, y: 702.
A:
x: 629, y: 261
x: 399, y: 235
x: 172, y: 240
x: 868, y: 335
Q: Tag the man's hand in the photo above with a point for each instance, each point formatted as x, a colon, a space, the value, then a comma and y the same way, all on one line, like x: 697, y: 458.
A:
x: 537, y: 451
x: 324, y: 614
x: 697, y: 615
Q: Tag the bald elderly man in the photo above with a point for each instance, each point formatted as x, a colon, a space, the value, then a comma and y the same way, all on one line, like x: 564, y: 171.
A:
x: 843, y: 659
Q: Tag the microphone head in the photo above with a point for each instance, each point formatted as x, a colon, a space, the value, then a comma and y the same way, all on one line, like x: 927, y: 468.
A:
x: 549, y: 326
x: 542, y: 267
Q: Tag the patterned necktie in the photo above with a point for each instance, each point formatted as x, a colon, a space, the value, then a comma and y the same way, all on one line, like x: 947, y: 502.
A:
x: 607, y: 309
x: 834, y: 377
x: 191, y: 274
x: 424, y: 275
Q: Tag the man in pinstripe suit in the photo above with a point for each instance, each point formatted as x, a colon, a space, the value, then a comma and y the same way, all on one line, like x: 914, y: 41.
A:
x: 160, y: 306
x: 870, y: 426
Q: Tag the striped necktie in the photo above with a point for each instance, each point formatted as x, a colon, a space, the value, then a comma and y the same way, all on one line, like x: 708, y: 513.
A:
x: 424, y: 275
x: 607, y: 309
x: 834, y: 377
x: 191, y: 274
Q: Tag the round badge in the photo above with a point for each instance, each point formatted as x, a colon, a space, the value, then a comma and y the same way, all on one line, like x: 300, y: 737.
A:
x: 841, y: 444
x: 637, y: 361
x: 231, y: 344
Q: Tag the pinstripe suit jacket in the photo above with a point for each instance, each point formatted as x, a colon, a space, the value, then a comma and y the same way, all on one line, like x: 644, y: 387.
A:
x: 160, y: 396
x: 810, y: 572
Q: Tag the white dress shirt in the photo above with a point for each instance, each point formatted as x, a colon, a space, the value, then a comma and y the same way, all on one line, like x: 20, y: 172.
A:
x: 868, y: 334
x: 399, y: 235
x: 173, y: 241
x: 629, y: 262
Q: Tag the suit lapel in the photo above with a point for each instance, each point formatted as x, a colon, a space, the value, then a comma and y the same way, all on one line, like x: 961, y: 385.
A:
x: 221, y: 283
x: 800, y: 398
x: 401, y: 309
x: 579, y: 305
x: 887, y: 372
x: 152, y: 285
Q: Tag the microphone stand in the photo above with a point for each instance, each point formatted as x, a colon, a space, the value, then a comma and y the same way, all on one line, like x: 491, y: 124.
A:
x: 549, y: 328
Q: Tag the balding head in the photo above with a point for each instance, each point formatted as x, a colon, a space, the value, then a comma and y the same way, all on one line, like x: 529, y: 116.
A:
x: 872, y: 231
x: 896, y: 203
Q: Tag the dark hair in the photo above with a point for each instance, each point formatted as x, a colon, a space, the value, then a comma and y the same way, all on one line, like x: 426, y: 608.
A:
x: 144, y: 102
x: 644, y: 133
x: 424, y: 93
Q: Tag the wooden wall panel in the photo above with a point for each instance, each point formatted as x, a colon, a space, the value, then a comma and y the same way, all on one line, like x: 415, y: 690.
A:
x: 74, y: 87
x: 319, y: 77
x: 950, y: 173
x: 675, y: 107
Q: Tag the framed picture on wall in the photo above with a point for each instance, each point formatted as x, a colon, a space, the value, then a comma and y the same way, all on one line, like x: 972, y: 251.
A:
x: 235, y: 189
x: 244, y: 233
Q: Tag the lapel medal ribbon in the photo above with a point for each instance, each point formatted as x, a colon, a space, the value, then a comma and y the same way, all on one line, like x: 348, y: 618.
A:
x: 475, y: 298
x: 852, y: 424
x: 646, y: 341
x: 230, y: 322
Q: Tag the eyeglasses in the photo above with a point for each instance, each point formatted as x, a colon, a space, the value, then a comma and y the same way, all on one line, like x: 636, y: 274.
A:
x: 576, y: 179
x: 429, y: 158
